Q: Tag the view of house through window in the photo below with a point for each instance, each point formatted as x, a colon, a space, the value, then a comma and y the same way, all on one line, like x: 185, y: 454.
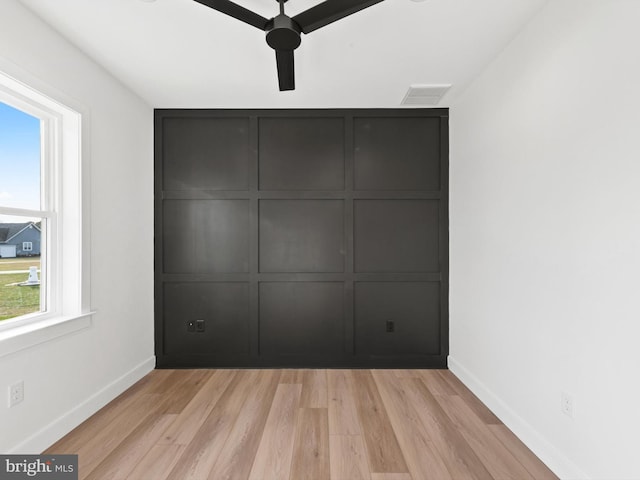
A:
x: 21, y: 226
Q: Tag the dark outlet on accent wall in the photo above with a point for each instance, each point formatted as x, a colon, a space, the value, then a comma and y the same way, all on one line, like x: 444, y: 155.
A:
x: 391, y: 326
x: 191, y: 326
x: 199, y: 326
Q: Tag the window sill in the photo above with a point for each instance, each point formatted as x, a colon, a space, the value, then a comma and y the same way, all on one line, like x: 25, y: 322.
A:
x: 25, y: 336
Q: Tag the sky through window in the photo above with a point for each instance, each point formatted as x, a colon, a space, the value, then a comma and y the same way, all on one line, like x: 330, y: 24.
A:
x: 19, y: 160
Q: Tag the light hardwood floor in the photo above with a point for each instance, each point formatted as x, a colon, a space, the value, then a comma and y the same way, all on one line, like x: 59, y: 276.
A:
x: 298, y: 425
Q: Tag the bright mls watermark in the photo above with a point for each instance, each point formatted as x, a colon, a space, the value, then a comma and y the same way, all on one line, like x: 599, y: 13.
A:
x: 51, y: 467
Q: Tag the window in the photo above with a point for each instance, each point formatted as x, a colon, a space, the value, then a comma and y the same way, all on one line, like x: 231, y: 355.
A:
x: 42, y: 225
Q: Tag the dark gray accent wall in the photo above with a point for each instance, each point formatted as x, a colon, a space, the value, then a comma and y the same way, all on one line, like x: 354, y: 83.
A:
x: 301, y: 238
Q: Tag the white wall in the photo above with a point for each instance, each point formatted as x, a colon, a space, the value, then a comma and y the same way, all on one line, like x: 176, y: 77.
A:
x: 545, y: 236
x: 67, y: 379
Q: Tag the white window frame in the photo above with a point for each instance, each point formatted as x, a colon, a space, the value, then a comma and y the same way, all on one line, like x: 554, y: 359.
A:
x: 65, y: 228
x: 28, y: 247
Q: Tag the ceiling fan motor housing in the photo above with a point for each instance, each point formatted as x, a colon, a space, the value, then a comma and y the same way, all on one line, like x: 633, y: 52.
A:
x: 283, y: 33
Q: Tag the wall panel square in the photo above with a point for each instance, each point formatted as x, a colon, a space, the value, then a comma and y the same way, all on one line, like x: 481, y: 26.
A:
x: 206, y: 153
x: 301, y: 153
x: 224, y: 307
x: 397, y: 153
x: 396, y: 235
x: 413, y: 307
x: 301, y: 318
x: 206, y: 236
x: 301, y: 236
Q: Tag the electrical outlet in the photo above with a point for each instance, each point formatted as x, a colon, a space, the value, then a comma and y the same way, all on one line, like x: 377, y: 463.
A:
x: 16, y: 394
x: 566, y: 404
x: 391, y: 326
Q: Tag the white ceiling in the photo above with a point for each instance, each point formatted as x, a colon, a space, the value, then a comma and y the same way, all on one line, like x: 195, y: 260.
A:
x: 178, y: 53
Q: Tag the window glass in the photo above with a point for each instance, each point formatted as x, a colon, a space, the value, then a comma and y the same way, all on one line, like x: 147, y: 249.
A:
x: 19, y: 159
x: 20, y: 232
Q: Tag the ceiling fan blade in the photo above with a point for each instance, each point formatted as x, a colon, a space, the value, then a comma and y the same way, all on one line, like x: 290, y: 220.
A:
x: 328, y: 12
x: 237, y: 12
x: 286, y: 75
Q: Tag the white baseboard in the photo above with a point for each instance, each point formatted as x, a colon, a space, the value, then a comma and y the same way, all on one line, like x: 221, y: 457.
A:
x: 58, y: 428
x: 554, y: 459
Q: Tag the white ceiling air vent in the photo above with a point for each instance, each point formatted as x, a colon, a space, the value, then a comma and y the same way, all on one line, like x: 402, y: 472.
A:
x: 426, y: 95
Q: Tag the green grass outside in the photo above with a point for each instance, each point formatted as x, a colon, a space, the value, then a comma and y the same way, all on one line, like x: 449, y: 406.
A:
x: 15, y: 300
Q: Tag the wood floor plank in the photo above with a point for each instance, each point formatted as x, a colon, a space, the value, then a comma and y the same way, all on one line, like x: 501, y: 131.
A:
x: 533, y: 464
x: 417, y: 446
x: 273, y: 458
x: 311, y: 446
x: 103, y: 442
x: 126, y: 456
x: 314, y: 389
x: 436, y: 383
x: 166, y: 378
x: 460, y: 459
x: 190, y: 419
x: 348, y: 458
x: 292, y: 375
x: 202, y: 452
x: 343, y: 415
x: 157, y: 463
x: 407, y: 373
x: 391, y: 476
x: 239, y: 451
x: 384, y: 453
x: 474, y: 402
x: 182, y: 390
x: 495, y: 457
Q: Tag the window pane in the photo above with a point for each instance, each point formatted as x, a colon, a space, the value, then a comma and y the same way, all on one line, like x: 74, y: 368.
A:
x: 20, y: 269
x: 20, y: 237
x: 19, y: 159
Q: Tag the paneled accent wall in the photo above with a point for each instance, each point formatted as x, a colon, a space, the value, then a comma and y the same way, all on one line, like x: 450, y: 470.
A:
x: 301, y: 238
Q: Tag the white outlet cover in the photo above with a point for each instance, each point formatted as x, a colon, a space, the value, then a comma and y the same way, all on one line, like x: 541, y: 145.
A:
x: 566, y: 404
x: 16, y: 394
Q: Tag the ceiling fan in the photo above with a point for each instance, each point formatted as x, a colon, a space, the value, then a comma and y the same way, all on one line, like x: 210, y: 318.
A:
x: 283, y: 32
